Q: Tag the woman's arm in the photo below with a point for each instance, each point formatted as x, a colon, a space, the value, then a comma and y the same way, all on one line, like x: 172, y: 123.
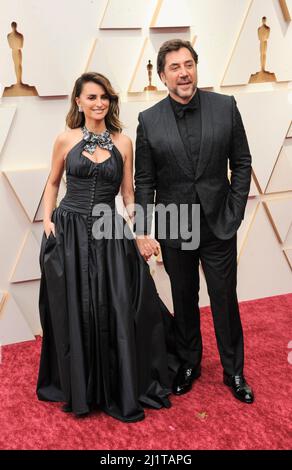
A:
x: 146, y: 245
x: 127, y: 186
x: 53, y: 183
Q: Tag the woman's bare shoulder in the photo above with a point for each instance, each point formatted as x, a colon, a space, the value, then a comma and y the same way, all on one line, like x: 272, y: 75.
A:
x: 68, y: 136
x: 123, y: 140
x: 67, y: 140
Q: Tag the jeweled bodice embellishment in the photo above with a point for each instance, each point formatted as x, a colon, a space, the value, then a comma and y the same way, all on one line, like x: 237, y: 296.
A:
x: 92, y: 140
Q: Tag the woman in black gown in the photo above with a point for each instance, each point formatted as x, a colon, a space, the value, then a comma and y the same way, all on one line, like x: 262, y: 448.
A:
x: 103, y: 323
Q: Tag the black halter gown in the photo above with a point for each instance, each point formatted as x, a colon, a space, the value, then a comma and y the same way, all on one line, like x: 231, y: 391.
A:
x: 104, y: 325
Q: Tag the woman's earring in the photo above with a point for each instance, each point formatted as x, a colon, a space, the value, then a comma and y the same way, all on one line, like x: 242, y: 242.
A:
x: 80, y: 109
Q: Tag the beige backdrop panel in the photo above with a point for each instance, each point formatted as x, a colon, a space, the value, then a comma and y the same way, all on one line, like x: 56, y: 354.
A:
x: 245, y: 59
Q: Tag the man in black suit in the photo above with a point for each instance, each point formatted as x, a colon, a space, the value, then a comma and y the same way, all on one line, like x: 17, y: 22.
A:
x: 184, y: 144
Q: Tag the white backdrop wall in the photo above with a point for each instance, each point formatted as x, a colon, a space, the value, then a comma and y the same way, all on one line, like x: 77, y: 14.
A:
x: 62, y: 39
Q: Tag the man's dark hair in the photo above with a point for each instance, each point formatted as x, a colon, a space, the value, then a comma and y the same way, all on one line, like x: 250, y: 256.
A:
x: 173, y: 45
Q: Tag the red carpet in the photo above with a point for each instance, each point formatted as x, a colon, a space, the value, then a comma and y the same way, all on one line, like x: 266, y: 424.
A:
x: 206, y: 418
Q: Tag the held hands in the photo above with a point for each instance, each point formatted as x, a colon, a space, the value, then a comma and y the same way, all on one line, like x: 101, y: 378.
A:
x: 48, y: 228
x: 147, y: 246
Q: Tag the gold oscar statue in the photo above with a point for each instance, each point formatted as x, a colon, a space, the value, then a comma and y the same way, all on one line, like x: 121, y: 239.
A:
x: 15, y: 41
x: 285, y: 10
x: 150, y: 87
x: 263, y: 75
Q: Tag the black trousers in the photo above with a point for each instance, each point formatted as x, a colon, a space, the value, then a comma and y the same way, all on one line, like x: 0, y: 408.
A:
x: 219, y: 262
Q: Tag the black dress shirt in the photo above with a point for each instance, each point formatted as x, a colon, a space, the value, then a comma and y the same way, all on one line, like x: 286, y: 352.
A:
x: 188, y: 119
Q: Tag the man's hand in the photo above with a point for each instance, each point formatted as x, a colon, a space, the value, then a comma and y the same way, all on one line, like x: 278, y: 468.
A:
x: 147, y: 246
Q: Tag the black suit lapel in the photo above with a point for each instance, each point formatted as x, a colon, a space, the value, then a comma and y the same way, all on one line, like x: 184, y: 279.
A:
x: 207, y: 133
x: 174, y: 140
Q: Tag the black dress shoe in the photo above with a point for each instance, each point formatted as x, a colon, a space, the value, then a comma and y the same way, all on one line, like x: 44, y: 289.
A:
x: 184, y: 379
x: 240, y: 388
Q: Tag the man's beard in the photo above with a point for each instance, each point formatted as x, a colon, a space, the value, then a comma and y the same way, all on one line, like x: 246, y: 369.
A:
x: 183, y: 94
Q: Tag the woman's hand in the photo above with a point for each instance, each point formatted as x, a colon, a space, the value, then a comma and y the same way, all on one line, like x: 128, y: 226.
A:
x: 147, y: 246
x: 57, y: 168
x: 49, y: 227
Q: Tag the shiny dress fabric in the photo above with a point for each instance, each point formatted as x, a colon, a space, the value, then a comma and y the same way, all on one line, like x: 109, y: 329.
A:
x: 104, y: 325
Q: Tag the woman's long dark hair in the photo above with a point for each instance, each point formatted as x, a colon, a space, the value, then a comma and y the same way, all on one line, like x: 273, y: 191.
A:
x: 76, y: 119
